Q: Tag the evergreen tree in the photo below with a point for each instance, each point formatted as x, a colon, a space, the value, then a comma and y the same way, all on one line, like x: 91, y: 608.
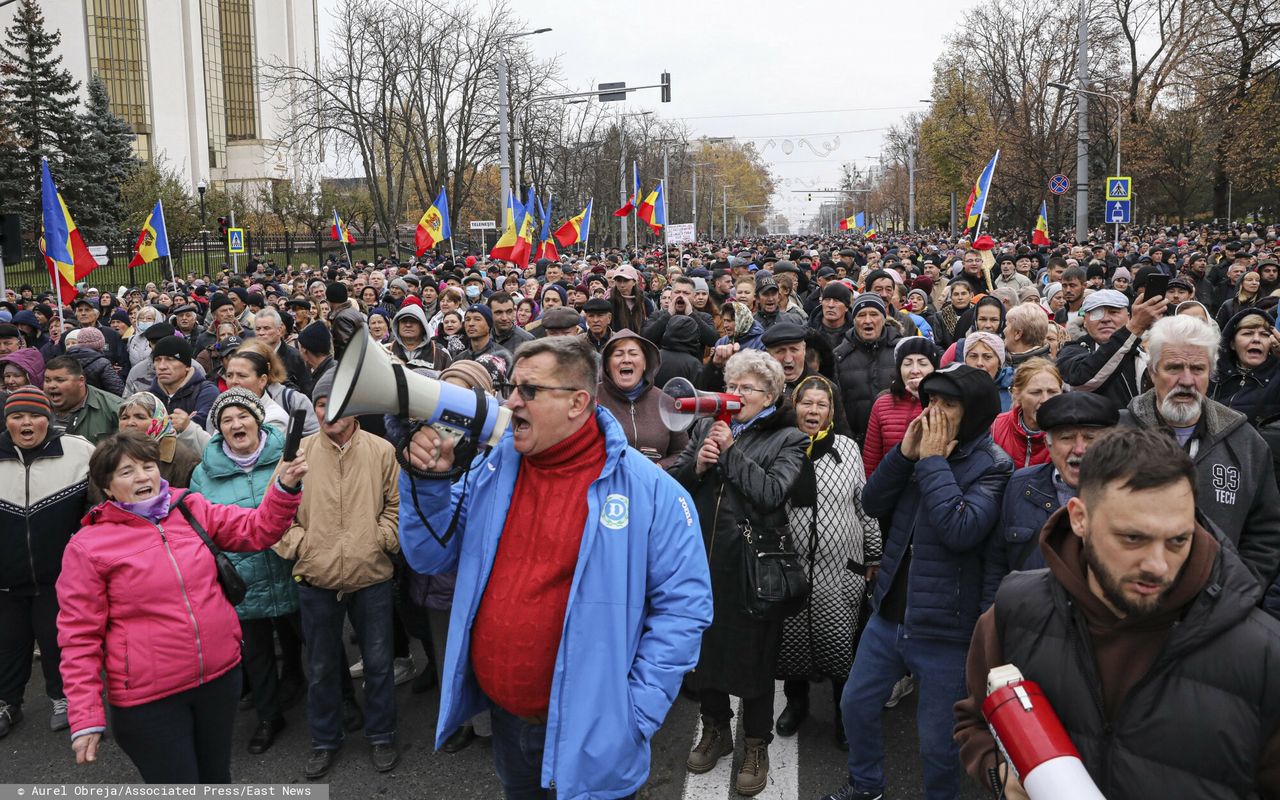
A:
x: 38, y: 101
x: 105, y: 158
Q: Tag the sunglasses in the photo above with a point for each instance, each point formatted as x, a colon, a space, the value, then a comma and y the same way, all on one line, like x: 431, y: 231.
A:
x: 529, y: 391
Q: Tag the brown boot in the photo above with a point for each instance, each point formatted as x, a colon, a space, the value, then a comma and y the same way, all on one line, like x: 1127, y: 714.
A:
x: 715, y: 744
x: 754, y: 775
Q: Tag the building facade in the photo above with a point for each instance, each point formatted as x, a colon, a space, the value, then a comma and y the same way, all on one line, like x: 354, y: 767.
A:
x: 187, y: 74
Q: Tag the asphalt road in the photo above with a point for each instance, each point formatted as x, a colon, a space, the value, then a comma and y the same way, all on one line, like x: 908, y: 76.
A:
x: 807, y: 766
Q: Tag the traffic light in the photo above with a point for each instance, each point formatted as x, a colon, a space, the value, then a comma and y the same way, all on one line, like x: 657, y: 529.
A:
x: 666, y: 87
x: 222, y: 227
x: 810, y: 196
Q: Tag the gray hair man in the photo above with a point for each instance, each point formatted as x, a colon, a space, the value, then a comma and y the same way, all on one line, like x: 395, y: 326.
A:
x: 1235, y: 476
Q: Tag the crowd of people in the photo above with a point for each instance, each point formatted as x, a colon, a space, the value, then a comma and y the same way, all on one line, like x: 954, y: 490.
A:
x: 979, y: 452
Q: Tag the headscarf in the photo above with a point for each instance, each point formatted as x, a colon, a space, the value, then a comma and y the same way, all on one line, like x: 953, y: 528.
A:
x: 743, y: 319
x: 822, y: 384
x: 160, y: 425
x: 805, y: 491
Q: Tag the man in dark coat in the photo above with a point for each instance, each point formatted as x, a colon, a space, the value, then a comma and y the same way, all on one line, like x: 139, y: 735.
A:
x: 864, y: 361
x: 1143, y: 634
x: 1107, y: 358
x: 942, y: 486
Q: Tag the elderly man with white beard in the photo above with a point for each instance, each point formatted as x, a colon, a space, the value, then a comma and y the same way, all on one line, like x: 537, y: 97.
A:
x: 1235, y: 478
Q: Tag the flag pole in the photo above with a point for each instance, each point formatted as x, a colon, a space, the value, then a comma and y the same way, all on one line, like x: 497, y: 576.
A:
x: 168, y: 254
x: 452, y: 258
x: 585, y: 239
x: 342, y: 234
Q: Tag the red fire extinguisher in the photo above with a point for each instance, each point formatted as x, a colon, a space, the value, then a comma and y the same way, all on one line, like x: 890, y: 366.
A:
x: 1032, y: 738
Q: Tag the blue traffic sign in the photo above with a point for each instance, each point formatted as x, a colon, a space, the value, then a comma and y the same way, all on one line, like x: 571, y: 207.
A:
x: 235, y: 241
x: 1059, y: 184
x: 1119, y: 187
x: 1119, y: 211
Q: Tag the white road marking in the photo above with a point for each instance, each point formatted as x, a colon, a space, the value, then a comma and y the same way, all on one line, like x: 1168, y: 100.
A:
x: 784, y: 764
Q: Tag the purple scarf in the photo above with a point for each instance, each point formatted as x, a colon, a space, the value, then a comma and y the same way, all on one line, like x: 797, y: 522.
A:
x: 153, y: 509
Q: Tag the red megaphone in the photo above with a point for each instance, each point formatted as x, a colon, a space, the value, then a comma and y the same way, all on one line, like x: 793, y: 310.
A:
x: 681, y: 405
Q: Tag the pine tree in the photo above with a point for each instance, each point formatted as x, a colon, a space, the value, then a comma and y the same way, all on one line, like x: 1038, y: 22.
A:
x: 106, y: 160
x: 38, y: 101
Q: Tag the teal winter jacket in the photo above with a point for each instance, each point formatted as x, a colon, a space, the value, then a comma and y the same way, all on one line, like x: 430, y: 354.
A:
x: 272, y: 592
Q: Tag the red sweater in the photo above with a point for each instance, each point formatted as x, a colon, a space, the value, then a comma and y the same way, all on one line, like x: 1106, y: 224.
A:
x: 517, y: 629
x: 889, y: 420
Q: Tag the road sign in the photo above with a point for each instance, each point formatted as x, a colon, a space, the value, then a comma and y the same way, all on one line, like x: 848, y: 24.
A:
x: 235, y: 241
x: 607, y: 96
x: 100, y: 254
x: 1059, y: 184
x: 1119, y: 187
x: 1119, y: 211
x: 681, y: 233
x: 484, y: 225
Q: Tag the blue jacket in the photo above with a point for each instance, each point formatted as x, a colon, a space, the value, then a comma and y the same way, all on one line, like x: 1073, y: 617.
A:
x: 1029, y: 500
x: 272, y: 592
x: 943, y: 509
x: 639, y: 601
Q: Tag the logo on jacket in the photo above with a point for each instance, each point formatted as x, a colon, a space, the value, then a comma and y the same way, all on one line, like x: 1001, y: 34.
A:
x: 616, y: 512
x: 1226, y: 482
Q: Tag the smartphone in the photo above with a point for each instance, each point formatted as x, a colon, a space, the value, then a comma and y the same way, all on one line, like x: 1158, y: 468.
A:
x: 294, y: 437
x: 1157, y: 285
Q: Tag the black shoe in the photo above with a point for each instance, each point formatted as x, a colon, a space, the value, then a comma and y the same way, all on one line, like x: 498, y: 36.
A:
x: 10, y: 715
x: 459, y: 739
x: 319, y: 763
x: 791, y: 717
x: 352, y: 716
x: 847, y: 792
x: 385, y: 757
x: 265, y: 735
x: 841, y: 742
x: 425, y: 680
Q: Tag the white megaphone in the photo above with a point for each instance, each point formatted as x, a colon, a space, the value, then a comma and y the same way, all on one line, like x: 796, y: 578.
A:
x: 369, y: 381
x: 1034, y: 743
x: 681, y: 405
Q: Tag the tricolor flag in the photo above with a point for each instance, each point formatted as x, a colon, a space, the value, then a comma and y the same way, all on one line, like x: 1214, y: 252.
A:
x: 847, y: 223
x: 546, y: 245
x: 576, y: 229
x: 870, y: 232
x: 505, y: 246
x: 977, y: 204
x: 653, y: 210
x: 434, y: 226
x: 339, y: 230
x: 153, y: 242
x: 634, y: 199
x: 65, y: 253
x: 1040, y: 233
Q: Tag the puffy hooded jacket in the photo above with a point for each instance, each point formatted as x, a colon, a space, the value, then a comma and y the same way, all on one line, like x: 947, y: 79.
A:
x: 639, y: 417
x: 142, y: 600
x: 98, y: 370
x: 1026, y: 448
x: 29, y: 360
x: 890, y: 416
x: 428, y: 352
x: 943, y: 510
x: 681, y: 354
x: 271, y: 588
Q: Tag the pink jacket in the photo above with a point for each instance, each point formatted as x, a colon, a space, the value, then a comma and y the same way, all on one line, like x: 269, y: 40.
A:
x: 889, y: 420
x: 148, y: 597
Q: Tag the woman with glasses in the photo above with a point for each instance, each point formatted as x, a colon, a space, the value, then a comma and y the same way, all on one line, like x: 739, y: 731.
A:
x: 740, y: 475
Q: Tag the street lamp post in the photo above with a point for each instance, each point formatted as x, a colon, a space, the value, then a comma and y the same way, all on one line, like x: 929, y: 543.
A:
x: 724, y: 210
x: 201, y: 188
x: 1062, y: 87
x: 504, y: 110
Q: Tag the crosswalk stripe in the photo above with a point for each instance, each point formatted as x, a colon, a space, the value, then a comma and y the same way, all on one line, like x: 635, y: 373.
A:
x: 784, y: 764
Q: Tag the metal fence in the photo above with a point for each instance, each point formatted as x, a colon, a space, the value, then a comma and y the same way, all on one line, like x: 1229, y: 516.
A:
x: 204, y: 255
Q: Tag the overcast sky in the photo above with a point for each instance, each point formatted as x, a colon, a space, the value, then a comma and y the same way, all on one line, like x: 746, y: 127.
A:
x: 813, y: 83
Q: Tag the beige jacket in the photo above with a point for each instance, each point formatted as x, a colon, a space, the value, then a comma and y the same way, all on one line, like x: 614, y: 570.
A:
x: 348, y: 523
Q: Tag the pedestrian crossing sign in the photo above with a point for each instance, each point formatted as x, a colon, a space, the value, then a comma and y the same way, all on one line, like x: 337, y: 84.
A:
x: 235, y: 241
x: 1119, y: 187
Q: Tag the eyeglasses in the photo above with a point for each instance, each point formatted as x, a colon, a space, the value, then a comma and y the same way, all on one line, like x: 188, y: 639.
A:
x: 733, y: 388
x: 528, y: 391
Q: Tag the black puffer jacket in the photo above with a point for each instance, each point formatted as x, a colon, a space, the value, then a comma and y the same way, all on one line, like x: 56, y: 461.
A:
x: 863, y: 371
x: 1245, y: 390
x: 681, y: 351
x: 98, y: 370
x: 751, y: 483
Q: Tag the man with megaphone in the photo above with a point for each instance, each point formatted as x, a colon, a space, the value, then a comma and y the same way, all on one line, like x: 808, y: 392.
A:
x: 1145, y: 637
x: 582, y: 585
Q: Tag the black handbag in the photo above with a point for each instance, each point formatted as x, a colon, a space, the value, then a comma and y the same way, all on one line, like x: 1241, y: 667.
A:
x: 233, y: 586
x: 775, y: 584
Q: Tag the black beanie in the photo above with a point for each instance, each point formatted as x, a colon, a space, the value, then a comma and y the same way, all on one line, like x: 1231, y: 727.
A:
x: 336, y: 293
x: 837, y: 290
x: 174, y: 347
x: 315, y: 338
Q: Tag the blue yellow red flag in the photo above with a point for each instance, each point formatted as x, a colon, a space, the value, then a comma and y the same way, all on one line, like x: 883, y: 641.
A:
x: 1040, y: 234
x: 65, y: 253
x: 977, y: 205
x: 504, y: 248
x: 434, y: 226
x: 575, y: 229
x: 153, y: 241
x: 653, y: 211
x: 340, y: 231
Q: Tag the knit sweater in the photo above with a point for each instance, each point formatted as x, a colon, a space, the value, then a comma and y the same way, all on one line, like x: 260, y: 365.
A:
x: 516, y: 633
